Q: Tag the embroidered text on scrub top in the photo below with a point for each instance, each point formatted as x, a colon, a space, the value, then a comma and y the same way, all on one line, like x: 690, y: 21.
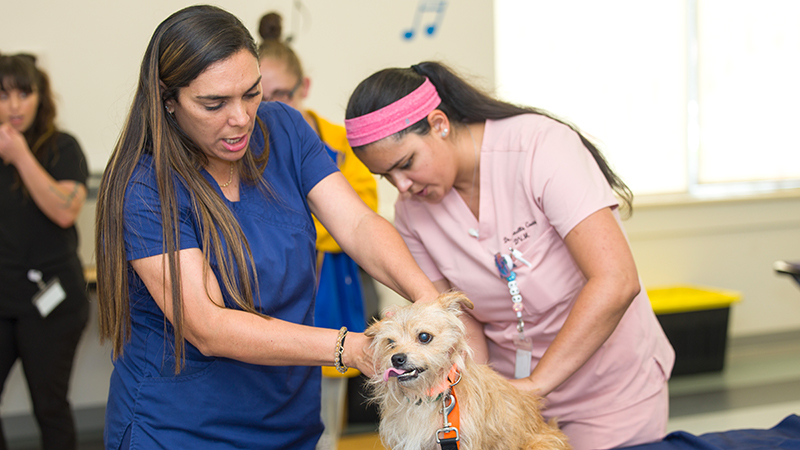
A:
x: 520, y: 234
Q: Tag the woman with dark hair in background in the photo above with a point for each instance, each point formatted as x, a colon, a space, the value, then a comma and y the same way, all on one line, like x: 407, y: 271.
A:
x: 518, y: 210
x: 205, y: 252
x: 340, y: 295
x: 43, y: 299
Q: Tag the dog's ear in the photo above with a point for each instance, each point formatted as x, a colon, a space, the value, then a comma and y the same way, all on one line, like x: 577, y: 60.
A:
x: 375, y: 326
x: 454, y: 300
x: 372, y: 330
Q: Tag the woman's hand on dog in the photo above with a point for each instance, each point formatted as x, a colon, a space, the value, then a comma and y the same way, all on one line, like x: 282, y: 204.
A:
x: 357, y: 353
x: 528, y: 385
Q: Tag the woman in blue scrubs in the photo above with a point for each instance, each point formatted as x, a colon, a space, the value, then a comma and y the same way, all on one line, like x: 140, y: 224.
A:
x: 205, y: 252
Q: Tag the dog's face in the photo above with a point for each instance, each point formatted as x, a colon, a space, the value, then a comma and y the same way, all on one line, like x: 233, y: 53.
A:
x: 415, y: 346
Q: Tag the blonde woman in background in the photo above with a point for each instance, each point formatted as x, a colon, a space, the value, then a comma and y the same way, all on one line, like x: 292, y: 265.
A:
x: 340, y: 298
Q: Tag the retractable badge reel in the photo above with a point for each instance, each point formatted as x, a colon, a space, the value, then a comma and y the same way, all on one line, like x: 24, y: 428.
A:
x: 523, y: 345
x: 50, y: 294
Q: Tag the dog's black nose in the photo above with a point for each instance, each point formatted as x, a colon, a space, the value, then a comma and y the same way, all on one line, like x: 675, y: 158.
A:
x: 398, y: 359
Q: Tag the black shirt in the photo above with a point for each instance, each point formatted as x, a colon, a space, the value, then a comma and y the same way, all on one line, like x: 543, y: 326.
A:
x: 30, y: 240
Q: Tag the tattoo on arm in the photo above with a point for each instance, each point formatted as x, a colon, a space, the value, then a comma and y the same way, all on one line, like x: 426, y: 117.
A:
x: 67, y: 199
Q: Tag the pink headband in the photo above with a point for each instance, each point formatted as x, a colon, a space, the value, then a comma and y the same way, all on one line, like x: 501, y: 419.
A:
x: 394, y: 117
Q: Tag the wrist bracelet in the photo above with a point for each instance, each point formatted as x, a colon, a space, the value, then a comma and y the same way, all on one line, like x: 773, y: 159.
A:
x: 337, y: 354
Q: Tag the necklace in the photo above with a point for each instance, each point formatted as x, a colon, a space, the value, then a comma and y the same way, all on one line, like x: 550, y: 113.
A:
x: 230, y: 178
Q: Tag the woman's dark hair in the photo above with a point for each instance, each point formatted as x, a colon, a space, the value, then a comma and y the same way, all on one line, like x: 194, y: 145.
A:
x: 182, y: 47
x: 462, y: 103
x: 20, y: 72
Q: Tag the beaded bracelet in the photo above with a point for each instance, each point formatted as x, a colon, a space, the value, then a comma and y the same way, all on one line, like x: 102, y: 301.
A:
x: 337, y: 354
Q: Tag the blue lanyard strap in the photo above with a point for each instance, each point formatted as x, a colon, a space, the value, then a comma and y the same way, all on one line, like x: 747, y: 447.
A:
x: 505, y: 267
x: 501, y: 261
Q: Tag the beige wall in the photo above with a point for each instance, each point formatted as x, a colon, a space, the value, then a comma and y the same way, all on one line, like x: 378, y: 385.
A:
x: 93, y: 49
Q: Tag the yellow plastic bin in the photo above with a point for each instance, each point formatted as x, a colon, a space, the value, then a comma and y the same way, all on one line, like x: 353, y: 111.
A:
x: 695, y: 320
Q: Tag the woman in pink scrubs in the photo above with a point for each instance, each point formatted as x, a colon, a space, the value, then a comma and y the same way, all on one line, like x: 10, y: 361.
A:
x: 518, y: 210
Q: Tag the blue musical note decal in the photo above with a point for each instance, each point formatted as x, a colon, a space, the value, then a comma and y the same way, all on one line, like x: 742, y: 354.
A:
x: 426, y: 6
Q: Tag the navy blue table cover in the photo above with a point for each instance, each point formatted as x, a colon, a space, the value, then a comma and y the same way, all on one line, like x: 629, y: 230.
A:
x: 785, y: 435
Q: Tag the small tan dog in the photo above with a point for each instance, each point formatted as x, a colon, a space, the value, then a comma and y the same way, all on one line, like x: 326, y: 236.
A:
x: 427, y: 385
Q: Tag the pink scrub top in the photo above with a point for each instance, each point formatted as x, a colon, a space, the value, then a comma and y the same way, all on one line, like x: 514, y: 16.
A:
x: 537, y: 181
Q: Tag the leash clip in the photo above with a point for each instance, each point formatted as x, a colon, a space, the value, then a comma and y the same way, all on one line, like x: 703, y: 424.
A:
x: 443, y: 431
x: 448, y: 403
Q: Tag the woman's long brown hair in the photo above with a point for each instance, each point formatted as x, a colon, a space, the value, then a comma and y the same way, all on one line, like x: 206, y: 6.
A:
x: 181, y: 48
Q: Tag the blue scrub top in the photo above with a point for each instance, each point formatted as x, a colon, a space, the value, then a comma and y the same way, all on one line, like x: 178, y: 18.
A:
x: 219, y: 402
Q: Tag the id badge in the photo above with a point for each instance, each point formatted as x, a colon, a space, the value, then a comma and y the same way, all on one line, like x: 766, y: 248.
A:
x: 48, y: 297
x: 524, y: 347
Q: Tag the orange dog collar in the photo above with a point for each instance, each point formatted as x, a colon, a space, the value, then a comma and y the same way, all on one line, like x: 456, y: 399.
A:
x: 447, y: 436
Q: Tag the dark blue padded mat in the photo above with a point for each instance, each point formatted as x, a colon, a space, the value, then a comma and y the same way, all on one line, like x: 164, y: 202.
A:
x: 785, y: 435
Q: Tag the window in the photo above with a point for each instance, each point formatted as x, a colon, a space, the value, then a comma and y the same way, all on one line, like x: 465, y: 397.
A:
x: 696, y: 96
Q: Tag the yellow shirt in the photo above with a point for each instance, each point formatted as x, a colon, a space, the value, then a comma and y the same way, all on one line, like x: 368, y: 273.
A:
x: 363, y: 183
x: 354, y: 171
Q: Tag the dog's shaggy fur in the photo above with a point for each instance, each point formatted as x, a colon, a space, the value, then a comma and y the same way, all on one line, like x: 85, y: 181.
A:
x: 414, y: 348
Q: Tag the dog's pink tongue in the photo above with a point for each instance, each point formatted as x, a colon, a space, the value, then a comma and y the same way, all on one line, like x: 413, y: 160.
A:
x: 392, y: 372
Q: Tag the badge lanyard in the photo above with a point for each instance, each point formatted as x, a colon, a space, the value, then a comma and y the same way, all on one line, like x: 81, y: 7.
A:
x: 524, y: 345
x: 50, y: 294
